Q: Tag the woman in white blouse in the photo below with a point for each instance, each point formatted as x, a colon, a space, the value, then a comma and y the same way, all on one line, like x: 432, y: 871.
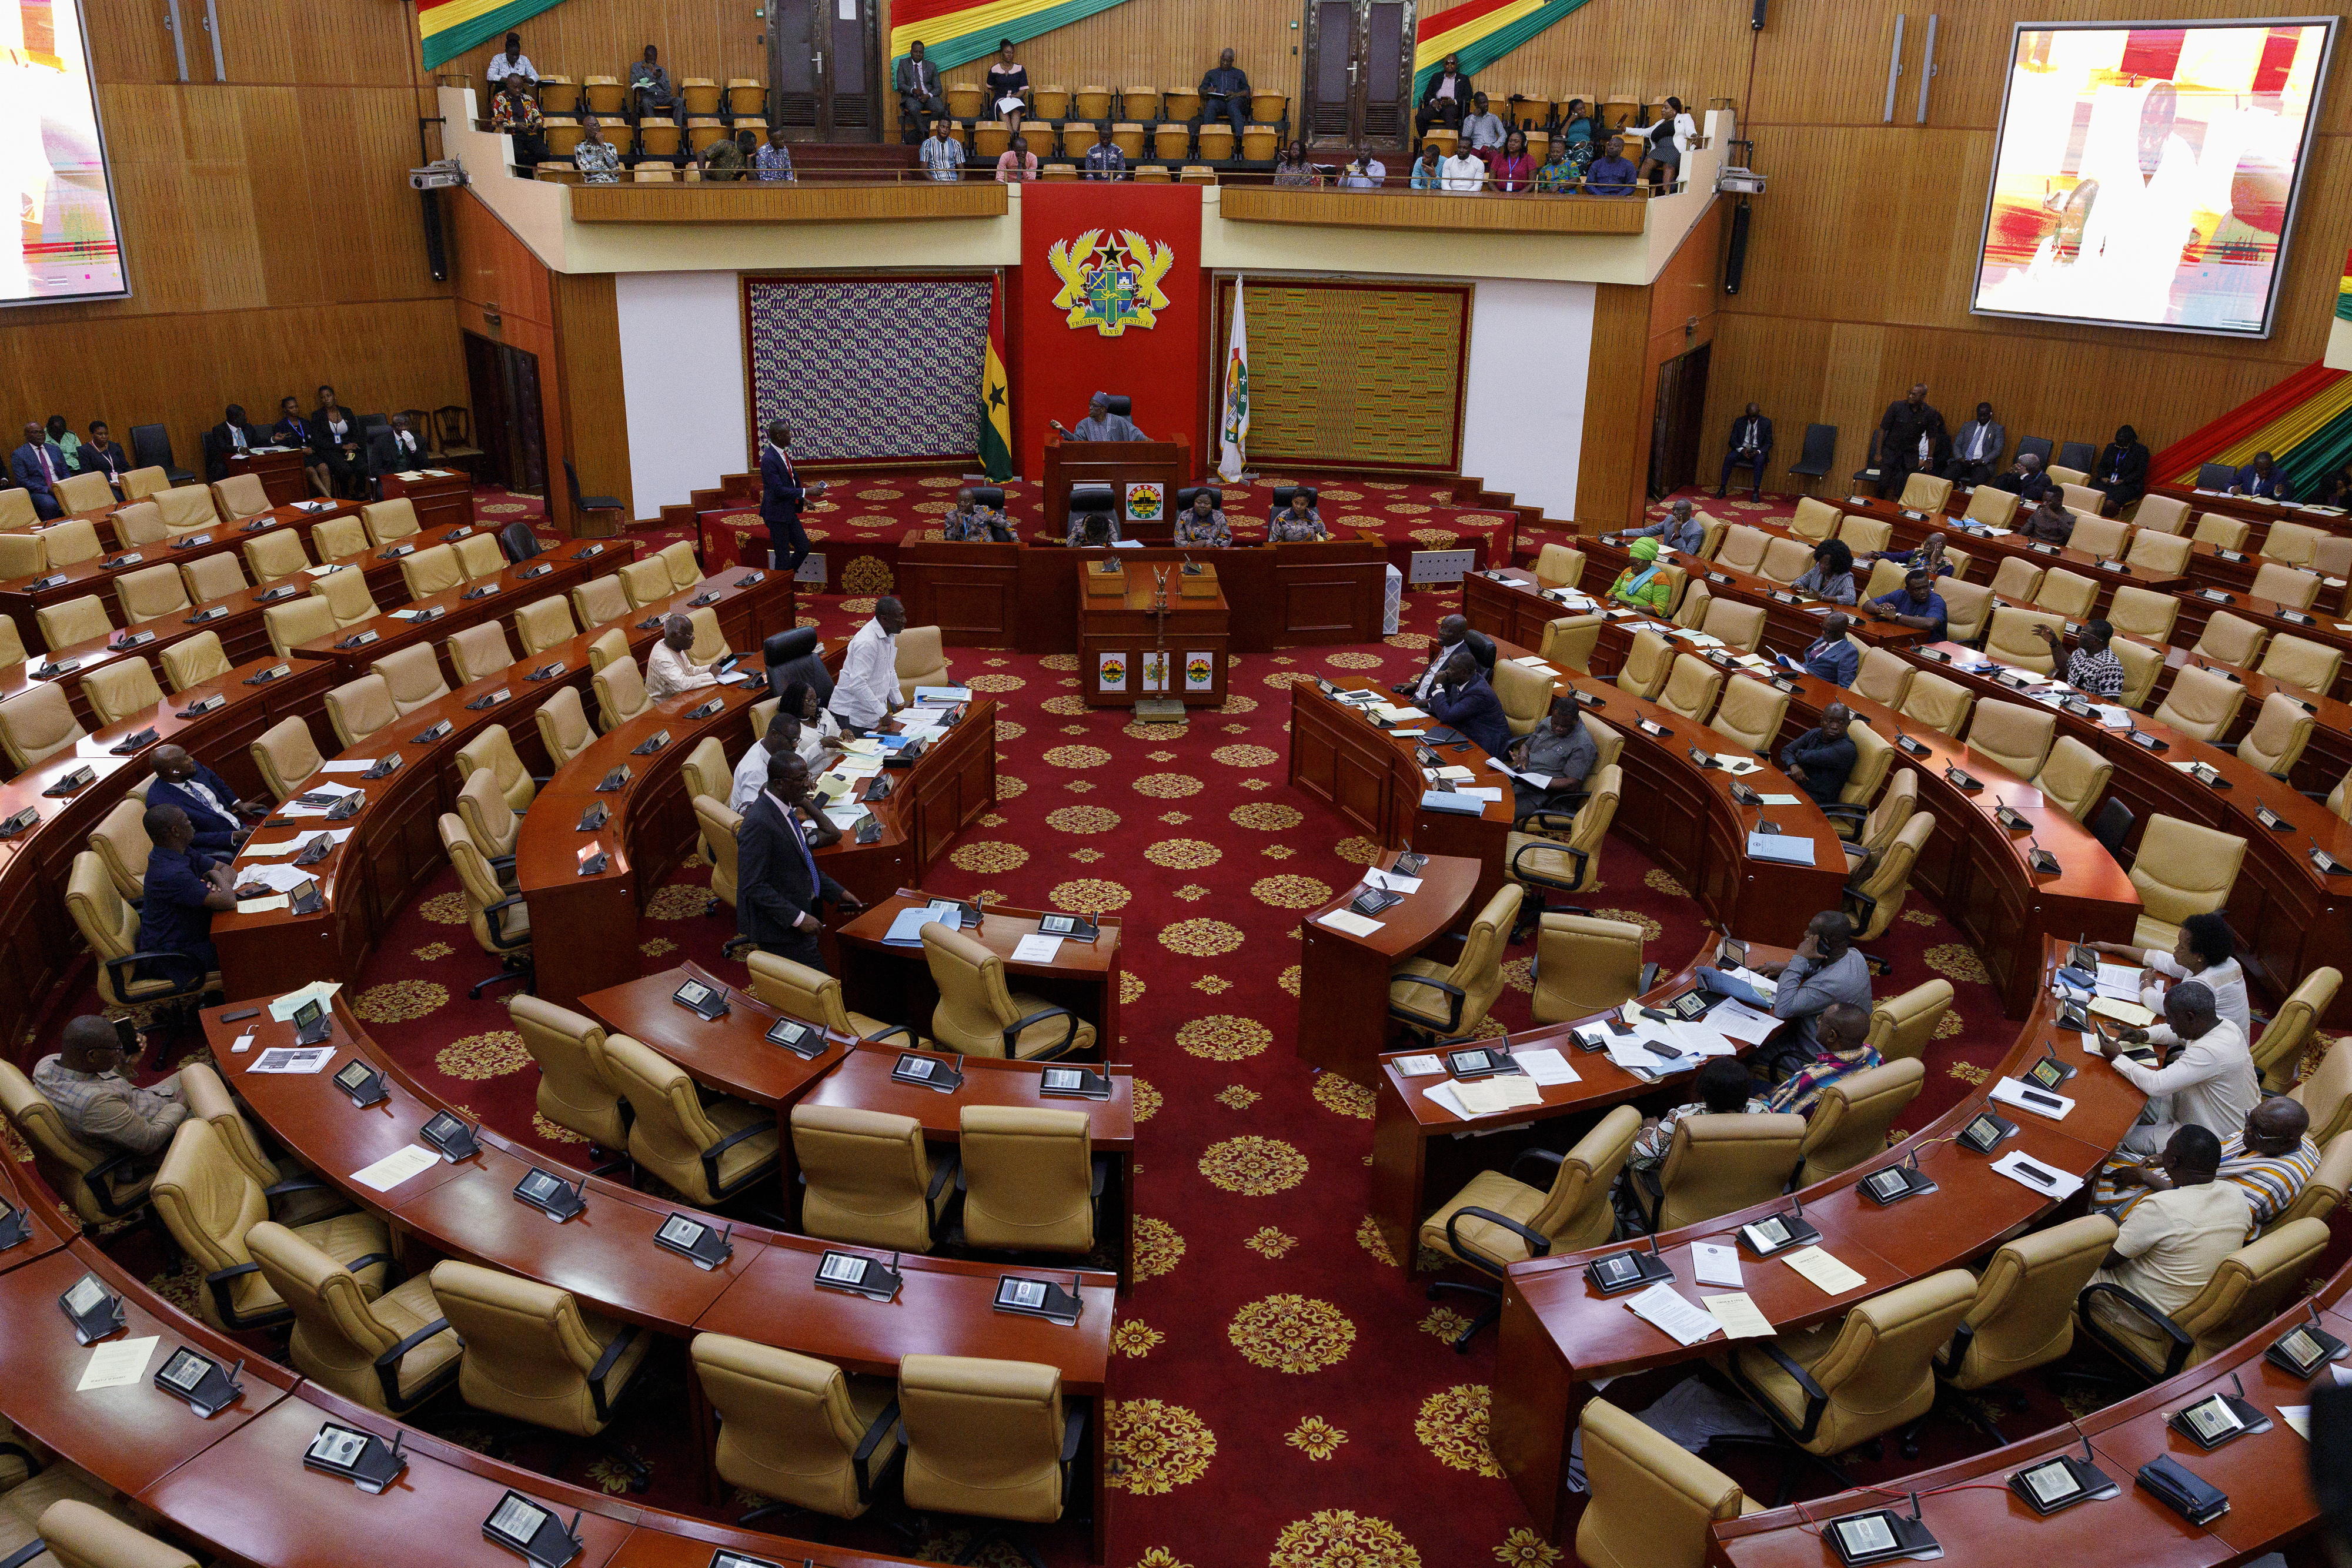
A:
x: 820, y: 731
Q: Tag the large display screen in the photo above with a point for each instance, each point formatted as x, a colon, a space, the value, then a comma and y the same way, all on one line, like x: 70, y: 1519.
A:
x: 63, y: 241
x: 2147, y: 174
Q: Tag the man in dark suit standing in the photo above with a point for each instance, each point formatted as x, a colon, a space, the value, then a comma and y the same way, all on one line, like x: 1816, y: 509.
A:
x: 1750, y: 447
x: 230, y: 437
x: 778, y: 885
x: 37, y: 465
x: 1911, y: 436
x: 782, y: 497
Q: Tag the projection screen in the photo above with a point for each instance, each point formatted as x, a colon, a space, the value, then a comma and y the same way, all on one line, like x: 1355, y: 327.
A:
x: 65, y: 243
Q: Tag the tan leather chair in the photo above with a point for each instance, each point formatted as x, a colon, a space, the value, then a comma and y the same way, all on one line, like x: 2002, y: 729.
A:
x: 286, y: 755
x: 358, y: 709
x: 479, y: 557
x: 80, y: 1535
x: 346, y: 594
x: 2081, y: 499
x: 814, y: 997
x: 69, y: 543
x: 1525, y: 696
x: 2325, y: 1193
x: 208, y: 1100
x: 1926, y: 493
x: 1864, y: 536
x: 1584, y: 964
x: 492, y: 751
x: 599, y: 600
x: 275, y: 554
x: 479, y: 652
x: 2230, y: 640
x: 575, y: 1089
x: 722, y: 829
x: 2010, y: 638
x: 126, y: 688
x: 2202, y: 705
x: 1870, y: 832
x: 1559, y: 566
x: 707, y: 771
x: 339, y: 538
x: 2291, y: 542
x: 1569, y: 642
x: 141, y: 483
x: 2252, y: 1285
x: 543, y: 623
x: 1851, y: 815
x: 1743, y: 547
x: 297, y: 621
x: 2016, y: 579
x: 72, y: 621
x: 489, y: 821
x: 2300, y: 662
x: 1030, y: 1179
x: 1813, y: 522
x: 608, y: 646
x: 2290, y: 586
x: 1737, y: 625
x: 390, y: 1354
x: 37, y: 724
x: 2161, y: 515
x: 2166, y: 553
x: 794, y: 1428
x: 497, y: 916
x: 1498, y: 1220
x: 685, y: 571
x: 141, y: 523
x: 532, y: 1353
x: 1992, y: 507
x: 390, y: 522
x: 922, y: 660
x: 209, y: 1203
x: 1648, y: 665
x: 1785, y: 560
x: 1750, y: 713
x: 120, y: 842
x: 83, y: 493
x: 187, y: 508
x: 2143, y: 612
x: 22, y: 554
x: 2326, y: 1095
x: 2015, y: 735
x: 2142, y: 665
x: 1563, y: 854
x: 2023, y: 1313
x: 1849, y: 1122
x: 710, y: 1153
x: 645, y: 582
x: 563, y: 726
x: 240, y: 496
x: 1868, y: 1375
x: 99, y: 1184
x: 1716, y: 1165
x: 1967, y: 606
x: 621, y: 694
x: 1901, y: 1027
x: 2280, y: 1049
x: 213, y: 577
x: 2339, y: 799
x: 2101, y: 537
x: 1693, y: 686
x: 1876, y: 898
x: 413, y: 675
x: 868, y: 1180
x: 979, y: 1015
x: 1884, y: 677
x: 1939, y: 704
x: 2282, y: 730
x: 430, y: 572
x: 2181, y: 869
x: 1653, y: 1503
x: 11, y: 644
x: 1692, y: 612
x: 2220, y: 529
x: 2074, y: 778
x: 986, y: 1437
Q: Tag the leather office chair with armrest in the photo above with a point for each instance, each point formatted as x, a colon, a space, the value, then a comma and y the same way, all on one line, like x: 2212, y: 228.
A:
x: 129, y: 977
x: 645, y: 582
x: 389, y: 1353
x: 1849, y: 1120
x: 1569, y: 642
x: 2015, y: 581
x: 1584, y: 964
x: 208, y: 1099
x: 2221, y: 530
x: 543, y: 623
x: 388, y: 522
x: 2074, y: 778
x: 2202, y: 703
x: 2292, y: 543
x: 2102, y: 537
x: 213, y: 577
x: 186, y: 508
x: 72, y: 621
x: 1785, y: 560
x: 867, y: 1178
x: 479, y: 557
x: 1448, y: 1002
x: 11, y: 644
x: 83, y: 493
x: 987, y: 1439
x: 621, y: 694
x: 2323, y: 1193
x: 346, y: 594
x: 66, y: 543
x: 431, y: 572
x: 532, y: 1353
x: 489, y: 821
x: 2165, y: 553
x: 1716, y: 1165
x: 2142, y: 665
x: 497, y: 916
x: 1884, y: 677
x: 2015, y: 735
x: 979, y: 1015
x: 275, y: 555
x: 412, y: 676
x: 99, y: 1184
x: 563, y: 724
x: 2280, y: 1049
x: 2011, y: 638
x: 209, y: 1203
x: 339, y: 538
x: 1813, y: 520
x: 576, y: 1090
x: 80, y: 1535
x: 1031, y: 1182
x: 2275, y: 744
x: 2023, y: 1313
x: 2326, y: 1095
x: 127, y: 689
x: 141, y: 523
x: 1525, y: 696
x: 2230, y: 640
x: 1750, y: 713
x: 1692, y: 687
x: 1743, y: 548
x: 1925, y: 493
x: 479, y: 652
x: 2290, y: 586
x: 2181, y: 869
x: 797, y: 656
x: 1740, y: 625
x: 722, y: 829
x: 120, y: 842
x: 1691, y: 615
x: 711, y: 1153
x: 606, y: 647
x: 1992, y: 507
x: 2143, y: 612
x: 1649, y: 663
x: 1874, y: 896
x: 922, y: 661
x: 814, y: 997
x: 1967, y: 607
x: 1901, y: 1027
x: 297, y: 621
x: 1499, y: 1219
x: 286, y: 755
x: 2300, y: 662
x: 709, y: 645
x: 142, y: 482
x: 1866, y: 535
x: 797, y: 1429
x: 361, y: 708
x: 1653, y: 1503
x: 1560, y: 566
x: 2252, y: 1286
x: 2161, y: 516
x: 1853, y: 815
x: 1939, y: 704
x: 600, y: 600
x: 492, y: 751
x: 678, y: 557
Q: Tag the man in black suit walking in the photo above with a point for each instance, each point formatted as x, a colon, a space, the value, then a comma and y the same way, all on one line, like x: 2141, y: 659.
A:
x: 782, y: 497
x: 1750, y: 447
x: 778, y: 885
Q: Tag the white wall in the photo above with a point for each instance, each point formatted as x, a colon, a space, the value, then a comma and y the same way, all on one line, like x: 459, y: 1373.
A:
x: 682, y: 374
x: 1522, y: 406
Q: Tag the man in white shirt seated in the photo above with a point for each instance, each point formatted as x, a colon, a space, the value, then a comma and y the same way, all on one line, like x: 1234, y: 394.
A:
x: 669, y: 672
x: 2173, y: 1240
x: 2203, y: 953
x: 867, y: 690
x: 2208, y: 1080
x: 752, y: 774
x: 1462, y: 172
x: 513, y: 62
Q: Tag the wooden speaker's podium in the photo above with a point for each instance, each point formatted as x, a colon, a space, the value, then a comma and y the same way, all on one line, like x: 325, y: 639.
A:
x: 1117, y: 463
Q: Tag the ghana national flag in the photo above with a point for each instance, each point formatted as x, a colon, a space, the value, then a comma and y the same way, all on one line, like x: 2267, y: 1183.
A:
x: 995, y: 397
x: 1481, y: 31
x: 447, y: 29
x: 955, y: 31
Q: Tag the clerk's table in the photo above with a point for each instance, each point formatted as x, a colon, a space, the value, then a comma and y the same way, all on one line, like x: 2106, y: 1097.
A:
x: 1158, y: 631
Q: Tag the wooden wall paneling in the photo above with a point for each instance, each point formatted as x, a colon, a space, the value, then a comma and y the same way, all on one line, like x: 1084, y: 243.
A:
x: 1609, y: 479
x: 595, y: 413
x: 697, y: 39
x: 493, y: 268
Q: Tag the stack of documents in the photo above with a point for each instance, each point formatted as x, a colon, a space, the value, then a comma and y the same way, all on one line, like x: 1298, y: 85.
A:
x: 907, y: 925
x: 1662, y: 1308
x: 941, y: 696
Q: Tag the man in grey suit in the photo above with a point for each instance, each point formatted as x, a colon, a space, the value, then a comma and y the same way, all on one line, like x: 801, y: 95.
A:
x: 918, y: 81
x: 1976, y: 447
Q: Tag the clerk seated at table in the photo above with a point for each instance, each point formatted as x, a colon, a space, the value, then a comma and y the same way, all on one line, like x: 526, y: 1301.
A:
x: 779, y: 888
x: 2271, y: 1160
x: 1202, y: 526
x: 1831, y: 576
x: 867, y: 690
x: 1678, y: 529
x: 2205, y: 952
x: 1819, y: 762
x: 2167, y: 1253
x: 1929, y: 557
x: 2025, y: 479
x: 1826, y: 970
x: 1463, y: 701
x: 185, y: 887
x: 1298, y: 523
x: 1833, y: 658
x: 2209, y: 1082
x: 1641, y: 584
x: 820, y: 730
x: 975, y: 524
x: 220, y: 818
x: 2092, y: 668
x: 2261, y: 479
x: 1915, y: 603
x: 84, y: 1082
x: 1100, y: 424
x: 1092, y: 530
x: 1560, y: 749
x: 2050, y: 523
x: 233, y: 436
x: 1842, y: 1048
x: 670, y: 670
x: 1725, y: 1089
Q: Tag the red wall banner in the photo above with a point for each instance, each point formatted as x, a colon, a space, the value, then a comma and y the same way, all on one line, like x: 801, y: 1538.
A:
x: 1112, y: 297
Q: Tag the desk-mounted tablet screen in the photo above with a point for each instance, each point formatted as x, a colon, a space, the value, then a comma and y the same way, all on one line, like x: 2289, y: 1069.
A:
x: 681, y: 1232
x: 532, y: 1530
x: 737, y: 1559
x: 362, y: 1082
x: 336, y: 1447
x: 14, y: 1228
x: 804, y: 1041
x: 2051, y: 1485
x: 1856, y: 1538
x: 2210, y: 1421
x: 844, y: 1268
x: 1985, y: 1132
x: 1885, y: 1186
x: 1073, y: 1083
x: 185, y: 1371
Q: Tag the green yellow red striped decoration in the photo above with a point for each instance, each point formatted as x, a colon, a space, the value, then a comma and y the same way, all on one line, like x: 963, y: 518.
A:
x: 955, y: 31
x: 1481, y: 31
x: 447, y: 29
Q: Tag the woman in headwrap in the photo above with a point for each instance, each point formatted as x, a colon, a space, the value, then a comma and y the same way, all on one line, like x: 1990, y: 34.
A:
x: 1641, y: 584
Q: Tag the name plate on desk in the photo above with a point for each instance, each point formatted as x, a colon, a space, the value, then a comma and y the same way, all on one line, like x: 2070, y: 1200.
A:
x: 359, y: 639
x: 70, y: 782
x: 130, y: 640
x: 546, y: 672
x: 1069, y: 928
x: 130, y: 743
x: 207, y: 704
x: 363, y: 1084
x: 1105, y: 579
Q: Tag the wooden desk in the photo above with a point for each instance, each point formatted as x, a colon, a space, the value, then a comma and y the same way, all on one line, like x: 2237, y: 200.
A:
x: 1985, y: 551
x: 1123, y: 466
x: 1508, y: 603
x: 45, y: 1229
x: 1158, y: 642
x: 2246, y: 509
x: 731, y: 1053
x: 894, y: 984
x: 282, y: 470
x: 440, y: 494
x: 451, y: 610
x: 1343, y: 979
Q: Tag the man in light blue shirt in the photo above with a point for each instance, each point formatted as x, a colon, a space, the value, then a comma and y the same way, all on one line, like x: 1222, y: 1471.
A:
x: 1678, y: 529
x: 1827, y: 969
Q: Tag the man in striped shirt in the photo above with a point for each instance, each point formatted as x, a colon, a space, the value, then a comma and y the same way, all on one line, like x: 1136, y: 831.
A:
x: 2094, y: 669
x: 2271, y: 1158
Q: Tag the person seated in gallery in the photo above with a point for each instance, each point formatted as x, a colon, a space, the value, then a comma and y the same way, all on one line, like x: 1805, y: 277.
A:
x: 1100, y: 424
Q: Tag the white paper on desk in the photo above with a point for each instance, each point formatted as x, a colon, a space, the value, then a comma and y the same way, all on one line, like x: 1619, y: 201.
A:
x: 1702, y: 639
x: 319, y: 571
x: 1781, y: 799
x: 1453, y: 770
x: 1424, y: 1066
x: 1833, y: 1277
x: 1737, y: 765
x: 1734, y: 1020
x: 327, y: 787
x: 1444, y: 1093
x: 2009, y: 1092
x: 2112, y: 717
x: 1740, y: 1317
x: 1493, y: 1096
x: 1662, y: 1308
x: 2119, y: 980
x: 1349, y: 921
x: 1631, y: 1055
x: 295, y: 813
x: 270, y: 850
x: 396, y: 1167
x: 293, y: 1059
x: 270, y: 904
x: 1480, y: 794
x: 1714, y: 1264
x: 276, y: 878
x: 1037, y: 949
x: 2299, y: 1417
x: 1763, y: 986
x: 1115, y: 544
x: 1545, y: 1064
x: 360, y: 765
x: 2059, y: 1185
x: 1781, y: 848
x: 320, y: 991
x: 943, y: 695
x: 118, y: 1365
x: 1390, y: 882
x: 845, y: 816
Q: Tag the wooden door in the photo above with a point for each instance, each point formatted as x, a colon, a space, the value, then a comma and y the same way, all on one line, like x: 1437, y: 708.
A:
x: 824, y: 58
x: 1674, y: 433
x: 1359, y: 73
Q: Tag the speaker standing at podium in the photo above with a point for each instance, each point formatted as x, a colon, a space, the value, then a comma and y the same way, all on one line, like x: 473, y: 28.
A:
x: 1102, y: 424
x: 781, y: 496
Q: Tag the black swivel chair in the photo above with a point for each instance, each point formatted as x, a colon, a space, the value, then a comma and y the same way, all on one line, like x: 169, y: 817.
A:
x: 2039, y: 446
x: 2078, y: 454
x: 1122, y: 405
x: 2111, y: 827
x: 151, y: 447
x: 1185, y: 497
x: 1283, y: 493
x: 1821, y: 451
x: 582, y: 504
x: 793, y: 655
x: 518, y: 543
x: 1088, y: 499
x: 2215, y: 475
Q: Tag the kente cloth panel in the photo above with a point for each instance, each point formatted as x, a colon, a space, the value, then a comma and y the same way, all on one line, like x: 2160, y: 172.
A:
x: 867, y: 371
